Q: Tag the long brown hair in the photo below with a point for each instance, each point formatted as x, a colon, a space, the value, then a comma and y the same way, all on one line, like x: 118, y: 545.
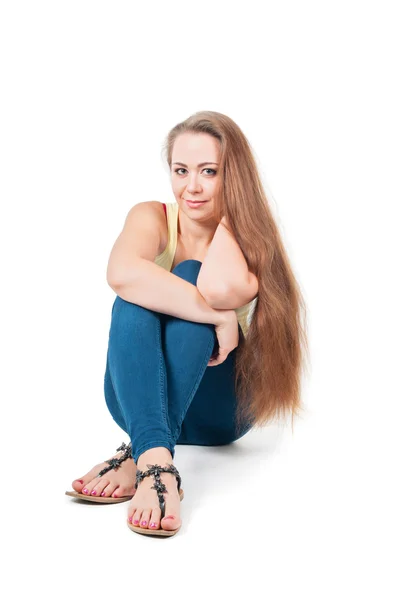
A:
x: 270, y: 361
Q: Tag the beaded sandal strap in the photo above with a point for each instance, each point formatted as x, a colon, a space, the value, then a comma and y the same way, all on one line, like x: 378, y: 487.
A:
x: 114, y: 463
x: 160, y: 488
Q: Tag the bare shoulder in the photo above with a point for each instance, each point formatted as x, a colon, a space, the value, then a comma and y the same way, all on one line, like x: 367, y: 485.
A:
x: 153, y: 211
x: 143, y: 236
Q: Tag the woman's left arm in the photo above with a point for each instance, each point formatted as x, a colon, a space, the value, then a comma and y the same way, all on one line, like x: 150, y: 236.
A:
x: 224, y: 279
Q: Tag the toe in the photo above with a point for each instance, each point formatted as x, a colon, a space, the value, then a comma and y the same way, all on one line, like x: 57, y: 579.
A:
x: 109, y: 489
x: 154, y: 522
x: 170, y: 521
x: 131, y: 509
x: 78, y: 485
x: 145, y: 519
x: 123, y: 491
x: 88, y: 487
x: 137, y: 517
x: 119, y: 492
x: 99, y: 487
x: 131, y: 516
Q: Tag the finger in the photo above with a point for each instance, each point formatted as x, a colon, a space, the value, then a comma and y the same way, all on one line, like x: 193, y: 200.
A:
x: 222, y: 355
x: 216, y: 361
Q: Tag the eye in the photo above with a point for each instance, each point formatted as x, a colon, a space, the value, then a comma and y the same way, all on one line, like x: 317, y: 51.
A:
x: 207, y: 169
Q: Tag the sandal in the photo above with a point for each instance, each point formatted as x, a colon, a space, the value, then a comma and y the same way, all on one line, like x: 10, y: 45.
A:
x: 113, y: 463
x: 160, y: 488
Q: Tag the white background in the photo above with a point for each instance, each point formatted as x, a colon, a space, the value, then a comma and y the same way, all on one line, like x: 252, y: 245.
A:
x: 89, y: 91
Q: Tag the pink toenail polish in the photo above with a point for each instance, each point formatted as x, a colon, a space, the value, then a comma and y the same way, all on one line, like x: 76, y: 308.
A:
x: 80, y: 480
x: 114, y: 495
x: 130, y: 519
x: 85, y: 491
x: 135, y: 521
x: 102, y: 493
x: 93, y: 493
x: 153, y: 525
x: 143, y: 523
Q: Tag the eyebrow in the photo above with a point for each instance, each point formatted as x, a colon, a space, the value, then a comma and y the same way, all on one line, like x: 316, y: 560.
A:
x: 199, y: 165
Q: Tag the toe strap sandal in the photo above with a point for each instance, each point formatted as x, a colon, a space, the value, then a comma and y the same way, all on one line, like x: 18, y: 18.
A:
x: 155, y: 471
x: 113, y: 463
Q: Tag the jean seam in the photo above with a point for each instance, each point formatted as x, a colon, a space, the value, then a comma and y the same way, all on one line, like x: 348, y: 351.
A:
x: 196, y: 384
x: 162, y: 379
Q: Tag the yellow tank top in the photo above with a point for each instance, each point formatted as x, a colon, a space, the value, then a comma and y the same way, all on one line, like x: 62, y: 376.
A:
x: 165, y: 259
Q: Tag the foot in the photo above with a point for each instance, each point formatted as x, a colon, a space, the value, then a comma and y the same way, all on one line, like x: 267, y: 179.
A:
x: 144, y: 510
x: 116, y: 482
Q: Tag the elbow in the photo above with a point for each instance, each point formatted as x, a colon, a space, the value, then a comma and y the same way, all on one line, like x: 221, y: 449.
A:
x: 116, y: 281
x: 112, y: 276
x: 253, y: 284
x: 112, y: 280
x: 113, y: 285
x: 215, y: 296
x: 120, y: 275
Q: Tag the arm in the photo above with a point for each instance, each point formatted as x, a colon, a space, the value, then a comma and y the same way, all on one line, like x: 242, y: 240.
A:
x: 236, y: 297
x: 152, y: 287
x: 133, y: 274
x: 224, y: 279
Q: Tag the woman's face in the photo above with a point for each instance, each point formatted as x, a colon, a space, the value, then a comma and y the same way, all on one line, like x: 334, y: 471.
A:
x: 195, y: 174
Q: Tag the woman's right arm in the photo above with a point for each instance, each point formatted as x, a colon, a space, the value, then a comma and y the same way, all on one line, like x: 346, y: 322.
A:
x: 135, y: 277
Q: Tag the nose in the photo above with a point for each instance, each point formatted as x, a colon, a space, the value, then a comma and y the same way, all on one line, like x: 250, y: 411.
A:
x: 193, y: 184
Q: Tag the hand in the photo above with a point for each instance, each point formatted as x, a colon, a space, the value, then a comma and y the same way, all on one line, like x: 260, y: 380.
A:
x: 227, y: 331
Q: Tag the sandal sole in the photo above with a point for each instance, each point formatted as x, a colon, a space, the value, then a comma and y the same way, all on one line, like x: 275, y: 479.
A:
x: 156, y: 532
x: 99, y: 500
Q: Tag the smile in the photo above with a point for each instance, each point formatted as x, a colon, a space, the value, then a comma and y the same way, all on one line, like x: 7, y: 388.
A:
x: 195, y: 201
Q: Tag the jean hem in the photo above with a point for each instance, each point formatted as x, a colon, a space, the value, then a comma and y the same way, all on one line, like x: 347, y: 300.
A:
x: 155, y: 444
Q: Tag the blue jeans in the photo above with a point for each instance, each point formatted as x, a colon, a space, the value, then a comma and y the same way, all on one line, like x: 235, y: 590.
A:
x: 158, y: 387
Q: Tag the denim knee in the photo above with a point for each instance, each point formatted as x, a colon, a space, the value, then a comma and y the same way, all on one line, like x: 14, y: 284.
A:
x: 188, y: 270
x: 125, y: 308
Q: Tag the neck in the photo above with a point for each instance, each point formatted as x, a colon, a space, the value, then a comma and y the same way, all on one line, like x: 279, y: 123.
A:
x: 196, y: 234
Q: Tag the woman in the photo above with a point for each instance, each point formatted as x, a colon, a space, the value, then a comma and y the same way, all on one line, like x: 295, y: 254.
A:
x: 203, y: 282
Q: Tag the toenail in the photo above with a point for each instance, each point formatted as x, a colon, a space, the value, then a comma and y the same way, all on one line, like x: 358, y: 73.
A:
x: 143, y: 523
x: 130, y: 519
x: 80, y: 480
x: 85, y: 490
x: 102, y: 493
x: 169, y: 517
x: 153, y: 525
x: 135, y: 521
x: 94, y: 493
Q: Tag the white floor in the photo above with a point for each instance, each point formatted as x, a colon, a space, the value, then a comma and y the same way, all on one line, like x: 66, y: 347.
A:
x: 273, y: 515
